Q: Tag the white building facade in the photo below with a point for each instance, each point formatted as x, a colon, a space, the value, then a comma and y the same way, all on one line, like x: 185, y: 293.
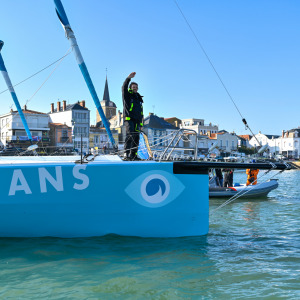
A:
x: 289, y: 143
x: 12, y: 130
x: 261, y: 139
x: 199, y: 126
x: 76, y: 116
x: 226, y: 142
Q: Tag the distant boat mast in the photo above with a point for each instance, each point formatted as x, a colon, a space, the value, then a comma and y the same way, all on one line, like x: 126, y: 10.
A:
x: 71, y: 37
x: 13, y: 94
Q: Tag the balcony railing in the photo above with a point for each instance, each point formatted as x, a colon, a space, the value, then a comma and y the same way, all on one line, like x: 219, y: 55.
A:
x: 78, y: 135
x: 77, y: 121
x: 30, y: 125
x: 14, y: 138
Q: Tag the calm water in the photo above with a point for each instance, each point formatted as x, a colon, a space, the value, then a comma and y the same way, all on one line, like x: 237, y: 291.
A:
x: 251, y: 252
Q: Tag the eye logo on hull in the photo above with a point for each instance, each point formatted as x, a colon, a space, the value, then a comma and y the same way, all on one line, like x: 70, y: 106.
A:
x: 155, y: 189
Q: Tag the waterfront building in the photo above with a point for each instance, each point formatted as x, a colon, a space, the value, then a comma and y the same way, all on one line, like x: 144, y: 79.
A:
x: 76, y: 116
x: 204, y: 143
x: 99, y: 139
x: 243, y: 140
x: 264, y: 139
x: 288, y: 143
x: 199, y: 126
x: 60, y: 138
x: 160, y: 133
x: 117, y: 125
x: 13, y: 133
x: 226, y: 142
x: 174, y: 121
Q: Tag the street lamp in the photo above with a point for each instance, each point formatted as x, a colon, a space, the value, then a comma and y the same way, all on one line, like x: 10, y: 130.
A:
x: 73, y: 133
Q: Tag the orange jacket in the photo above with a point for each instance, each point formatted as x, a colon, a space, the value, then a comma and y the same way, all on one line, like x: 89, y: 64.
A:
x: 252, y: 176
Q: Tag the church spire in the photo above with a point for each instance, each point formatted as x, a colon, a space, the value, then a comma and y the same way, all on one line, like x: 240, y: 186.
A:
x: 106, y: 92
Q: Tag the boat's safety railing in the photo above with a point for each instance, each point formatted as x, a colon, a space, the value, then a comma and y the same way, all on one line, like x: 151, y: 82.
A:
x: 179, y: 136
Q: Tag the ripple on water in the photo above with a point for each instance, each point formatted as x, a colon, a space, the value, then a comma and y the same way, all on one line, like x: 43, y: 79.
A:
x: 251, y: 252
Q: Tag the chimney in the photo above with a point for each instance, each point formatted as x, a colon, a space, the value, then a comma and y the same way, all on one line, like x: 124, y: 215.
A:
x: 25, y: 107
x: 82, y: 103
x: 64, y: 105
x: 58, y: 106
x: 150, y: 114
x: 52, y: 107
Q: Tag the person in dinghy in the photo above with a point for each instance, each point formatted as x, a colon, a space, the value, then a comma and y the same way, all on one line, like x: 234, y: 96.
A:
x: 252, y: 175
x: 133, y: 117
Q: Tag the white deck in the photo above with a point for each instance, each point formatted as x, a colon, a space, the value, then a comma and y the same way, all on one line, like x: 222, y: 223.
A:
x: 12, y: 160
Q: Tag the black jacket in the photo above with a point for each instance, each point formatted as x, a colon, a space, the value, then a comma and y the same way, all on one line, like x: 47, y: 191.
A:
x: 132, y: 104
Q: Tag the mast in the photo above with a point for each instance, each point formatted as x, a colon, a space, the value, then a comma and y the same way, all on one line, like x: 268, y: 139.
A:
x: 13, y: 94
x: 71, y: 37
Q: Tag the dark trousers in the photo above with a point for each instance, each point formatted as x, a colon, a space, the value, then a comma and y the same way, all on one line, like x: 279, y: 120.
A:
x: 228, y: 179
x: 132, y: 138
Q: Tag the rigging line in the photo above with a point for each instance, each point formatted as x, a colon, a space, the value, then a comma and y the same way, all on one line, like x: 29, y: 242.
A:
x: 209, y: 60
x: 38, y: 71
x: 68, y: 52
x: 215, y: 70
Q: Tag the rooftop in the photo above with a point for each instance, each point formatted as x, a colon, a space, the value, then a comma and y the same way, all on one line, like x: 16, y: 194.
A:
x: 153, y: 121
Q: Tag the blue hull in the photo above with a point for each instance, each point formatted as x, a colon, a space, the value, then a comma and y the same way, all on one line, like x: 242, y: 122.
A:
x: 67, y: 200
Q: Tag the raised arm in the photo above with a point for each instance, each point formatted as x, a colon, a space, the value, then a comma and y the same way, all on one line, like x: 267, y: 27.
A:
x: 126, y: 82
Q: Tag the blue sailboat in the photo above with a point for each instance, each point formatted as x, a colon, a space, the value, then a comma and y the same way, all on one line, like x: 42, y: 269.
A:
x: 67, y: 197
x: 63, y: 198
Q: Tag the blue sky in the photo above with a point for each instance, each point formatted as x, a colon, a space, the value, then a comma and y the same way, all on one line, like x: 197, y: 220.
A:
x: 253, y: 44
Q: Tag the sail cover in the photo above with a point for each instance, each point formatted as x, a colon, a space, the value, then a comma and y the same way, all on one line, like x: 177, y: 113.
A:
x: 144, y: 151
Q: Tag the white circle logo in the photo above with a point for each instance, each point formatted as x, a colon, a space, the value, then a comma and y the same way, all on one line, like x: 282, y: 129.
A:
x: 155, y: 188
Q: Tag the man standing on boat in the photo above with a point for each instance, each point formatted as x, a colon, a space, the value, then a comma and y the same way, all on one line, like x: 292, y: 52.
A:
x: 133, y: 117
x: 228, y: 178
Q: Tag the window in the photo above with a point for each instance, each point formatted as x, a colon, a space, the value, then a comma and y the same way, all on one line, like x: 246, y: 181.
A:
x: 36, y: 133
x: 80, y: 116
x: 20, y: 133
x: 64, y: 132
